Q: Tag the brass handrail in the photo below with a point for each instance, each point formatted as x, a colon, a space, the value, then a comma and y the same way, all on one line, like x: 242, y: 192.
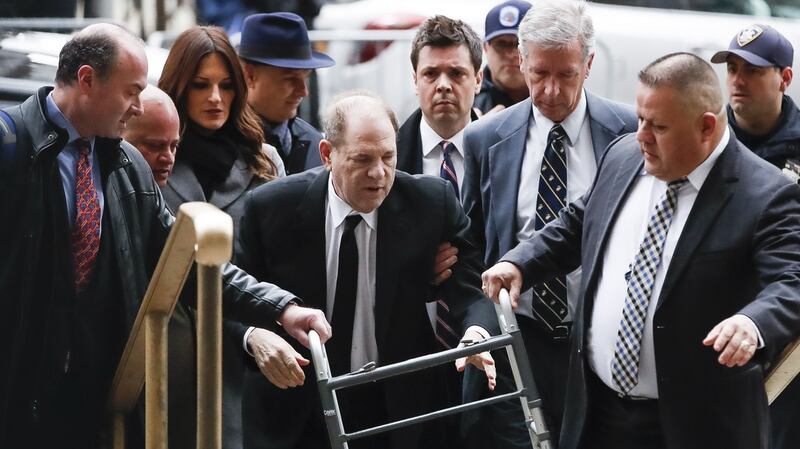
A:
x: 784, y: 371
x: 201, y: 233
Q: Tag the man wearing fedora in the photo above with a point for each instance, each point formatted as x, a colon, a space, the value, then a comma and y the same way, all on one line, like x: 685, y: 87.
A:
x: 767, y: 121
x: 277, y: 59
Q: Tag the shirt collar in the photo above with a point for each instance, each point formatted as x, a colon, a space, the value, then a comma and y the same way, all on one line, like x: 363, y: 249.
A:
x: 280, y: 128
x: 430, y: 138
x: 698, y: 176
x: 340, y: 210
x: 572, y: 124
x: 57, y: 117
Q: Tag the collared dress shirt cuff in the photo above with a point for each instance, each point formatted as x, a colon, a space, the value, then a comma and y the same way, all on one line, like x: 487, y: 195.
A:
x: 244, y: 340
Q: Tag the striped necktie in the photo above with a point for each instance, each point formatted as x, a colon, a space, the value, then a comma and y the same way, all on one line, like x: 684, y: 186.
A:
x: 550, y: 296
x: 86, y: 232
x: 447, y: 329
x: 641, y: 277
x: 447, y: 171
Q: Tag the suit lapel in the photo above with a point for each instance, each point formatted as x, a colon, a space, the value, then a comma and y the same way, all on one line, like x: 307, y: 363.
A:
x: 235, y: 185
x: 604, y: 123
x: 713, y: 196
x: 185, y: 184
x: 310, y: 215
x: 505, y: 165
x: 409, y: 145
x: 392, y: 238
x: 609, y: 206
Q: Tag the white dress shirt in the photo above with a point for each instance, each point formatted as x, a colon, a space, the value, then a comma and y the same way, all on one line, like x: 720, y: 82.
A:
x: 626, y: 236
x: 365, y: 347
x: 581, y: 168
x: 432, y: 156
x: 431, y: 165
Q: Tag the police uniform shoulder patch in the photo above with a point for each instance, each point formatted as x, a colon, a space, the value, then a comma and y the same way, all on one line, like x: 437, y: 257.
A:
x: 509, y: 16
x: 748, y: 35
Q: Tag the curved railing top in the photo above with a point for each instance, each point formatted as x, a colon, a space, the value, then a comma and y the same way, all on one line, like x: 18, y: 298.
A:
x: 201, y: 232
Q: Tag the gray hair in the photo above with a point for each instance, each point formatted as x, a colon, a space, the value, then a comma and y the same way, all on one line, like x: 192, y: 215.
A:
x: 692, y: 78
x: 556, y: 24
x: 334, y: 120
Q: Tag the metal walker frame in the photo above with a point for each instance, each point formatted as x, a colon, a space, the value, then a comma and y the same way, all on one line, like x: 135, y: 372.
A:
x: 510, y: 338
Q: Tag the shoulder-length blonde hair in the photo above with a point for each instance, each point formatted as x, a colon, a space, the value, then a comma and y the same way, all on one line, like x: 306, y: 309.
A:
x: 184, y: 58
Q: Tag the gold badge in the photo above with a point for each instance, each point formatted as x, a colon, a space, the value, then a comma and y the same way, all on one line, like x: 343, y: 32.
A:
x: 748, y: 35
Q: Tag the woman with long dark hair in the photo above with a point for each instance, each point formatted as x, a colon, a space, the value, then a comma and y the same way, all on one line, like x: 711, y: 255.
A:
x: 221, y: 153
x: 220, y: 157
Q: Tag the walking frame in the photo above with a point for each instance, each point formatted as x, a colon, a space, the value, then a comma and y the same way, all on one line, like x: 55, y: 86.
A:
x: 510, y: 338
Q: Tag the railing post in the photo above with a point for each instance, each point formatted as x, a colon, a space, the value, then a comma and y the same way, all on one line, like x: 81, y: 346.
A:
x: 118, y: 428
x: 200, y: 233
x: 156, y: 380
x: 209, y: 356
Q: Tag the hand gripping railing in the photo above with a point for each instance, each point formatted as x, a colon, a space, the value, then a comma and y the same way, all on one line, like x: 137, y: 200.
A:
x: 201, y: 233
x: 511, y: 339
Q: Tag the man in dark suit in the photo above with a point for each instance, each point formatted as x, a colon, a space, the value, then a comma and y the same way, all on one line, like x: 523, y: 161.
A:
x: 690, y: 246
x: 525, y: 163
x: 88, y: 226
x: 446, y: 58
x: 361, y: 240
x: 278, y: 59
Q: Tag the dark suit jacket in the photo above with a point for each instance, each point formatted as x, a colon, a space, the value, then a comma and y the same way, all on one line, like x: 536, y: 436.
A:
x: 283, y: 239
x: 739, y: 252
x: 409, y: 143
x: 494, y: 148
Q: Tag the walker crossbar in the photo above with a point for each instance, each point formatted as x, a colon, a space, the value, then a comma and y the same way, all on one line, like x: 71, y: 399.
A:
x: 511, y: 339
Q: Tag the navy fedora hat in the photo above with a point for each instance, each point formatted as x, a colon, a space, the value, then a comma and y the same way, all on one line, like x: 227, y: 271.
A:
x: 280, y: 39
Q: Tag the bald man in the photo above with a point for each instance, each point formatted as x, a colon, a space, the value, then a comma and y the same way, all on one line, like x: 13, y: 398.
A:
x: 690, y: 248
x: 88, y: 226
x: 155, y: 133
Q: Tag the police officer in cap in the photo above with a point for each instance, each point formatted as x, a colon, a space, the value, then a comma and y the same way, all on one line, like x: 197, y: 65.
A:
x: 503, y: 84
x: 767, y: 121
x: 764, y: 118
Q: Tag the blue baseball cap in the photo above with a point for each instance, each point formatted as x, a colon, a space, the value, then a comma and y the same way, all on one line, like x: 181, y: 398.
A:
x: 760, y: 45
x: 505, y: 18
x: 280, y: 39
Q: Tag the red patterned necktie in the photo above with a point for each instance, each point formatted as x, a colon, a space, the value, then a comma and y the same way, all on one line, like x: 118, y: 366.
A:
x: 86, y: 233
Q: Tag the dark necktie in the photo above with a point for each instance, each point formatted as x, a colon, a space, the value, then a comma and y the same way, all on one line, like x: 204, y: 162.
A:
x: 447, y: 170
x: 625, y: 367
x: 86, y: 233
x: 550, y: 296
x: 344, y: 303
x: 447, y: 329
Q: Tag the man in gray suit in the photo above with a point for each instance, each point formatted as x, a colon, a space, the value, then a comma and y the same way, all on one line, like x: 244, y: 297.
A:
x: 690, y: 247
x: 528, y: 161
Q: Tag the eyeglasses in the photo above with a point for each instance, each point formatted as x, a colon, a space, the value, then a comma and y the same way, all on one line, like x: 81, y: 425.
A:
x: 504, y: 45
